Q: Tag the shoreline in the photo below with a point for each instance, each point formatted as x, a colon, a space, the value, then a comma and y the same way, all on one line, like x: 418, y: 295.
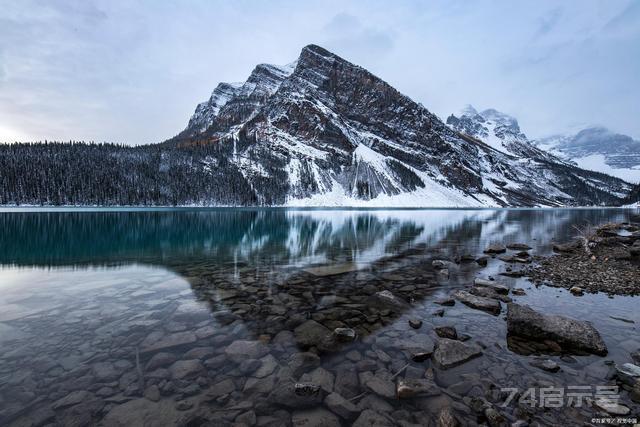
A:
x: 604, y: 258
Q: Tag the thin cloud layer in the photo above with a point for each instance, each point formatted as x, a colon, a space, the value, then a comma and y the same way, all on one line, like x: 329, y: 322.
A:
x: 132, y: 72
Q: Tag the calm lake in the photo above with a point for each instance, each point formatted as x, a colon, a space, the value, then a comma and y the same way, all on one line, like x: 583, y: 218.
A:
x: 187, y: 316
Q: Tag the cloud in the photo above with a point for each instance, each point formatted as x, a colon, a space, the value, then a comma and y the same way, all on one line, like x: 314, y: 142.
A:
x: 133, y: 72
x: 548, y: 22
x: 348, y: 33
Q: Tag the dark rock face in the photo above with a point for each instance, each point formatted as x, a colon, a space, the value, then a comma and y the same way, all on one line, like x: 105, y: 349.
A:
x: 570, y: 334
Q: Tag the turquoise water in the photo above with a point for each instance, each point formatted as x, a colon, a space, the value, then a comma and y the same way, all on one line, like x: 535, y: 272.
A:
x: 88, y: 297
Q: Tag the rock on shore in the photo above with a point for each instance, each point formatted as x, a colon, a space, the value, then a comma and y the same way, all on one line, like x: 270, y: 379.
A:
x: 570, y: 334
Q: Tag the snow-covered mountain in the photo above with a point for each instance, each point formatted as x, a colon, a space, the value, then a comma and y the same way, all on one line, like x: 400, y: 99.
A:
x: 599, y: 149
x: 324, y: 131
x: 498, y: 130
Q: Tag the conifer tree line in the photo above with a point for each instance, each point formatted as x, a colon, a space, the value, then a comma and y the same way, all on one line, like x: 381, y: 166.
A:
x: 79, y: 173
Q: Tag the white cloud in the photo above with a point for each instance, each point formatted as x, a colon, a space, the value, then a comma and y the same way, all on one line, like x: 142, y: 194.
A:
x: 133, y: 72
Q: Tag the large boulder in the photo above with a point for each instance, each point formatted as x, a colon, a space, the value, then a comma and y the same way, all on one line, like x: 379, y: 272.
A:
x: 478, y: 302
x: 570, y: 334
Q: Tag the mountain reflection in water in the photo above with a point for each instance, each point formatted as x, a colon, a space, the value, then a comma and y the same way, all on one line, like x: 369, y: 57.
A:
x: 174, y: 317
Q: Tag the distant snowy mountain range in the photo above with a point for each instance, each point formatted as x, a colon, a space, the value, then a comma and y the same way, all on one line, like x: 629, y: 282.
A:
x: 318, y: 132
x: 599, y: 149
x: 596, y: 148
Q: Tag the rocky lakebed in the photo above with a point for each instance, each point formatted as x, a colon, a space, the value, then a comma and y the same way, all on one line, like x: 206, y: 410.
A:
x: 509, y: 334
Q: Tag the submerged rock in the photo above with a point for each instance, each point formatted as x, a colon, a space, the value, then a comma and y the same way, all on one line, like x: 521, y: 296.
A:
x: 498, y: 287
x: 415, y: 323
x: 446, y: 332
x: 611, y: 407
x: 241, y: 350
x: 413, y: 387
x: 545, y: 365
x: 480, y: 303
x: 518, y: 246
x: 296, y: 395
x: 496, y: 248
x: 628, y: 373
x: 450, y: 353
x: 446, y: 418
x: 311, y: 333
x: 341, y: 406
x: 371, y: 418
x: 318, y: 417
x: 387, y: 300
x: 570, y: 334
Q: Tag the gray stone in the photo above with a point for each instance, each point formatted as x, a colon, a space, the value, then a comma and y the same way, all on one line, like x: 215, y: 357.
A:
x: 480, y: 303
x: 320, y: 376
x: 612, y: 407
x: 379, y: 386
x: 341, y: 406
x: 344, y: 335
x: 105, y: 372
x: 168, y: 341
x: 310, y: 334
x: 71, y: 399
x: 186, y: 369
x: 247, y: 418
x: 498, y: 287
x: 545, y: 365
x: 576, y: 290
x: 495, y: 248
x: 221, y: 388
x: 268, y: 365
x: 370, y: 418
x: 628, y: 373
x: 241, y: 350
x: 415, y: 323
x: 199, y: 353
x: 387, y: 300
x: 494, y: 419
x: 248, y: 366
x: 318, y: 417
x: 216, y: 362
x: 450, y: 353
x: 414, y: 387
x: 518, y: 246
x: 152, y: 393
x: 303, y: 362
x: 296, y: 395
x: 570, y: 334
x: 160, y: 360
x: 446, y: 418
x: 446, y: 332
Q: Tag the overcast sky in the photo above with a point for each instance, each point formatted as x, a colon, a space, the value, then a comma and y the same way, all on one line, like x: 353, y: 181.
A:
x: 133, y: 72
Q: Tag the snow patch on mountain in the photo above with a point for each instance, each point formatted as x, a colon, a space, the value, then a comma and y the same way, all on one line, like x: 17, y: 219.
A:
x: 598, y: 149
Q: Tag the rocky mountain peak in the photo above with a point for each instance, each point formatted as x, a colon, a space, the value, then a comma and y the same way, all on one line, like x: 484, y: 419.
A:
x: 325, y: 131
